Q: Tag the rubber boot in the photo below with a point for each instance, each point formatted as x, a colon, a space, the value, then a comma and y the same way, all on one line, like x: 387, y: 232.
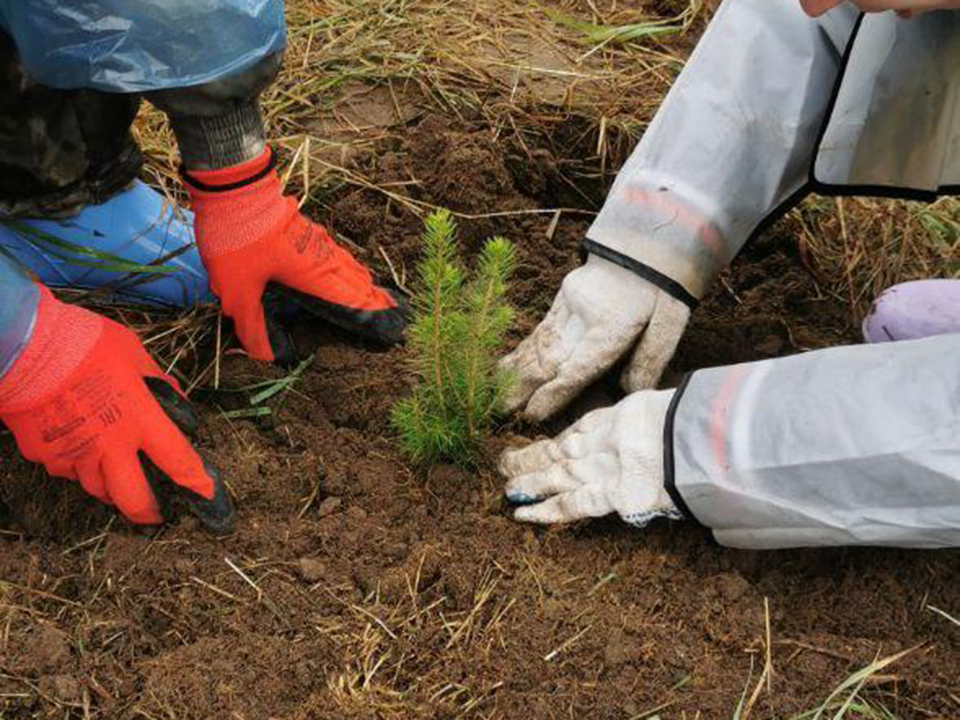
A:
x: 108, y: 246
x: 914, y: 310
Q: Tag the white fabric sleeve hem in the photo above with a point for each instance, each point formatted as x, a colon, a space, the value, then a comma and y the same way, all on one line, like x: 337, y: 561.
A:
x: 848, y: 446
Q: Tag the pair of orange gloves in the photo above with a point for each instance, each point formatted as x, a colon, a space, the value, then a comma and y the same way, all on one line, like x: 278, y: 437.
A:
x: 86, y: 400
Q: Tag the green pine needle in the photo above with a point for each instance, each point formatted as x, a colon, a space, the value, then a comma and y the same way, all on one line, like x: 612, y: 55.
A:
x: 457, y: 331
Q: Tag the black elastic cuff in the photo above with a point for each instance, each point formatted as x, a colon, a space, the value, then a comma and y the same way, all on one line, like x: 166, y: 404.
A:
x: 193, y: 182
x: 219, y: 141
x: 668, y: 285
x: 669, y: 461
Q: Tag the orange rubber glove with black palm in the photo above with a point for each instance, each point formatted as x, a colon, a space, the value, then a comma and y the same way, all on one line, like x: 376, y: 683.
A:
x: 86, y: 400
x: 255, y: 242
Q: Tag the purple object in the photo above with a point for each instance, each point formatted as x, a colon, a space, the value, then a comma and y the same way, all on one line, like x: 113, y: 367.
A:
x: 914, y: 310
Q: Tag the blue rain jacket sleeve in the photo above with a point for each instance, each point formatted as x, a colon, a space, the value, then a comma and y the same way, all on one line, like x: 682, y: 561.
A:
x: 18, y: 309
x: 132, y: 47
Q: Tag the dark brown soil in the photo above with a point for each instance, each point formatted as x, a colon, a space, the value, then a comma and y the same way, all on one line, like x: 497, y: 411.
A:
x: 371, y: 589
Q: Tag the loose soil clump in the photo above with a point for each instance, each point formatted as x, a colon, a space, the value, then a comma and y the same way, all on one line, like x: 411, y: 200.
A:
x: 356, y: 586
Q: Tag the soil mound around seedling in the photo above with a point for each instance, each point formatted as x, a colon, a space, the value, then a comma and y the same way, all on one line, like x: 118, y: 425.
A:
x: 357, y: 586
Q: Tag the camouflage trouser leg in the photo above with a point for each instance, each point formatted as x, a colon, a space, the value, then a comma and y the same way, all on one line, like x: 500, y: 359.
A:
x: 60, y: 150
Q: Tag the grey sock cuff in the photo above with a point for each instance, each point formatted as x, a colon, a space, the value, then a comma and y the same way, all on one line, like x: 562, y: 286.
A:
x: 212, y: 143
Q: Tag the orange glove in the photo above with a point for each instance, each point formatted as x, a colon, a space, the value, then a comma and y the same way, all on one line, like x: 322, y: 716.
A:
x: 251, y: 236
x: 86, y: 400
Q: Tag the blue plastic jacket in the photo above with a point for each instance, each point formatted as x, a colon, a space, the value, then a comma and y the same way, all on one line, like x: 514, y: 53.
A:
x: 124, y: 46
x: 18, y: 309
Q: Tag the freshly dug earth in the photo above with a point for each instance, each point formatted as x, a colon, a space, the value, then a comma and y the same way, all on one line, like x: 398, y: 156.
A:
x: 357, y: 586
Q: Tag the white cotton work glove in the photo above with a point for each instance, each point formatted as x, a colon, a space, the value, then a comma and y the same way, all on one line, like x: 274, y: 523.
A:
x: 601, y: 313
x: 610, y: 461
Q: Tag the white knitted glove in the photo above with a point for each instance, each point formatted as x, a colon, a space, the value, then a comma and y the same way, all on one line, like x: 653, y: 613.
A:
x: 610, y: 461
x: 601, y: 312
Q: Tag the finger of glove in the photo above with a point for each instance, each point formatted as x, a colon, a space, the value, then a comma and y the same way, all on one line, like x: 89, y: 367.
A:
x: 93, y: 481
x: 128, y: 488
x: 164, y: 388
x: 176, y: 457
x: 535, y: 360
x: 277, y: 311
x: 657, y: 346
x: 530, y: 459
x: 562, y: 477
x: 58, y: 469
x: 567, y: 507
x: 587, y: 437
x: 174, y: 404
x: 527, y: 489
x: 249, y: 320
x: 590, y: 359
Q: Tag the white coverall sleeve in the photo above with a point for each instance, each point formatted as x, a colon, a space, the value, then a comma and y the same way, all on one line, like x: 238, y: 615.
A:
x: 847, y: 446
x: 731, y: 144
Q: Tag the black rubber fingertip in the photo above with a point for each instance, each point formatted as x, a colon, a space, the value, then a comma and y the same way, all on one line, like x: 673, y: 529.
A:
x: 386, y: 327
x: 160, y: 486
x: 278, y: 316
x: 178, y: 409
x: 284, y: 351
x: 216, y: 514
x: 403, y: 305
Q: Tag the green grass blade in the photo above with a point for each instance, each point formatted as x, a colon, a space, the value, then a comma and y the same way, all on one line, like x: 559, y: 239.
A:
x: 850, y: 689
x: 595, y: 34
x: 246, y: 413
x: 284, y: 383
x: 88, y: 257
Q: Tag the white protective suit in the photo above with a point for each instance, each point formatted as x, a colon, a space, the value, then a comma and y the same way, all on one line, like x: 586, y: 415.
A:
x: 845, y: 446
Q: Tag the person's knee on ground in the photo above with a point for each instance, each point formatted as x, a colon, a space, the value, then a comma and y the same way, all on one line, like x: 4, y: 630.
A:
x: 71, y: 209
x: 914, y: 310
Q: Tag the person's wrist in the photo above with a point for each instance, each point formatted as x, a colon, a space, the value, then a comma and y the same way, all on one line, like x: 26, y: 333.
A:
x: 220, y: 141
x: 646, y: 416
x: 660, y: 402
x: 647, y: 275
x: 62, y: 336
x: 622, y: 285
x: 235, y: 208
x: 232, y: 177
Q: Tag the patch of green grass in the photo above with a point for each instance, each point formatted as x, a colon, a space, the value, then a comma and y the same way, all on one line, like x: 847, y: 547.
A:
x: 264, y: 391
x: 845, y: 700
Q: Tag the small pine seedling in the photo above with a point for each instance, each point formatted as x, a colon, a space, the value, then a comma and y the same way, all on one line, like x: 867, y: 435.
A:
x: 457, y: 331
